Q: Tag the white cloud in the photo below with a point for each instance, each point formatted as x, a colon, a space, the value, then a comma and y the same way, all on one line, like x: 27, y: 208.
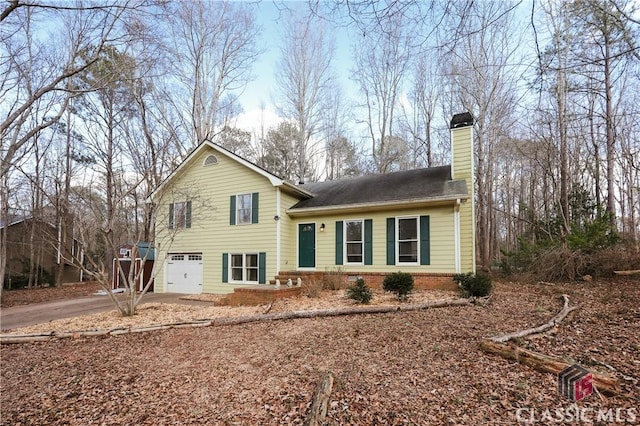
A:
x: 252, y: 121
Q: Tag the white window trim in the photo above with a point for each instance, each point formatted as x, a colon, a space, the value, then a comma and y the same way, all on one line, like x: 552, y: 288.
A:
x: 344, y: 239
x: 397, y: 241
x: 250, y: 195
x: 244, y: 268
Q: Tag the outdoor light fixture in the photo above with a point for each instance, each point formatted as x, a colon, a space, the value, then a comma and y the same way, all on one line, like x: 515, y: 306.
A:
x: 322, y: 228
x: 276, y: 218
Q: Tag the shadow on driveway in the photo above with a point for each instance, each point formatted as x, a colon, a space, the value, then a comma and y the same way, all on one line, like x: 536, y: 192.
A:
x: 38, y: 313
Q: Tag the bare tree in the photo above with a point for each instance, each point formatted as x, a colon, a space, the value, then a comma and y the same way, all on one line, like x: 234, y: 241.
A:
x: 382, y: 63
x: 35, y: 74
x: 213, y: 45
x: 483, y: 81
x: 304, y: 76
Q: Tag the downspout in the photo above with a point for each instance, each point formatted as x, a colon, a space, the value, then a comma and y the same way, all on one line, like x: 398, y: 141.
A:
x: 278, y: 230
x: 456, y: 236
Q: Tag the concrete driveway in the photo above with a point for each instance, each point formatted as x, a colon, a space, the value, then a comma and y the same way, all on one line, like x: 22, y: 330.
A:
x: 37, y: 313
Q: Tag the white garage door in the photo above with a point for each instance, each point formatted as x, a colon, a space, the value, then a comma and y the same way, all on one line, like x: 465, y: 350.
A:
x: 184, y: 273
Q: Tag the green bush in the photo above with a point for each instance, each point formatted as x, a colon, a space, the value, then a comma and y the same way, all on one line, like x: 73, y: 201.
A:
x: 474, y: 285
x: 400, y: 283
x: 360, y: 292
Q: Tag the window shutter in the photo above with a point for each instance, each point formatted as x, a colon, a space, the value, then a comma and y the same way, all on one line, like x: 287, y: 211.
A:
x: 425, y: 249
x: 171, y: 216
x: 225, y: 267
x: 368, y: 242
x: 232, y: 211
x: 262, y: 268
x: 391, y: 241
x: 187, y: 220
x: 254, y: 207
x: 339, y: 242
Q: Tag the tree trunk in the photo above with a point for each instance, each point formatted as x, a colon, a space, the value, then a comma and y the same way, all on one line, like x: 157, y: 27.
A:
x: 603, y: 383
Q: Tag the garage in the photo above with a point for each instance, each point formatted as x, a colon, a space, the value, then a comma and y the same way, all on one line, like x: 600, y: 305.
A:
x: 184, y: 273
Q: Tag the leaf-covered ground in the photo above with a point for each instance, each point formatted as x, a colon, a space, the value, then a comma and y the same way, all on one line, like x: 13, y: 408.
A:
x: 47, y: 294
x: 402, y: 368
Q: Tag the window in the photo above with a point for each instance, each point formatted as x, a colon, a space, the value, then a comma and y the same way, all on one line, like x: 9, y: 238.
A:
x: 244, y: 267
x: 243, y: 209
x: 210, y: 160
x: 180, y: 215
x: 408, y: 240
x: 354, y: 241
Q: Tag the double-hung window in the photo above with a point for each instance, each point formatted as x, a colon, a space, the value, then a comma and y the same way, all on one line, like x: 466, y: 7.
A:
x: 243, y: 209
x: 244, y: 267
x: 408, y: 240
x: 354, y: 241
x: 180, y: 215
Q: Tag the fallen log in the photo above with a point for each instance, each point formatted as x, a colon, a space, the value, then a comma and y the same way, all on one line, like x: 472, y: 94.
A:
x: 544, y: 327
x: 278, y: 316
x: 320, y: 403
x: 603, y: 383
x: 629, y: 272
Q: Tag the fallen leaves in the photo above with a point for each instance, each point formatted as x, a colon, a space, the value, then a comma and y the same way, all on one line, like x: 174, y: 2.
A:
x: 421, y: 367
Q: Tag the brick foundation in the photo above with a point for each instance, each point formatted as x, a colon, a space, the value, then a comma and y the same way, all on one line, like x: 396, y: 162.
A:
x: 252, y: 296
x: 422, y: 280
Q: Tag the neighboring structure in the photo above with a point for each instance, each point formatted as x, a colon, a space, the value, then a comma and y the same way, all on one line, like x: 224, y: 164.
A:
x: 31, y: 241
x: 224, y: 222
x: 143, y: 266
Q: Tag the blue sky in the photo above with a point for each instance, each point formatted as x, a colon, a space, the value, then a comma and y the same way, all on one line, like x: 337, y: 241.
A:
x: 263, y: 88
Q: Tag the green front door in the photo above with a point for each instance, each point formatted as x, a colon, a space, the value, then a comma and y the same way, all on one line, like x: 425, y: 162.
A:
x: 306, y: 245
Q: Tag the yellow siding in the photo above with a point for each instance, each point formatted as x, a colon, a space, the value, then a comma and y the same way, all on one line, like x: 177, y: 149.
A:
x: 288, y: 234
x: 210, y: 189
x: 441, y: 237
x: 462, y: 163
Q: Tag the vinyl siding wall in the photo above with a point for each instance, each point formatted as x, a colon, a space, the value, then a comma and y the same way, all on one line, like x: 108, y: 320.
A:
x: 462, y: 163
x: 210, y: 189
x: 442, y: 259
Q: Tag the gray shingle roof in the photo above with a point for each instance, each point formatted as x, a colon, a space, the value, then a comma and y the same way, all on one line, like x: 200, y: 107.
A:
x: 420, y: 184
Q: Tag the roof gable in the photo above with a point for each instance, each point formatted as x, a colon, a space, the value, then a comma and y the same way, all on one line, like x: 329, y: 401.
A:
x: 188, y: 161
x: 419, y: 185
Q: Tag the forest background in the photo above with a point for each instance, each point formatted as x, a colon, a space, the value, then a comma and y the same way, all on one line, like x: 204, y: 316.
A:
x: 100, y: 101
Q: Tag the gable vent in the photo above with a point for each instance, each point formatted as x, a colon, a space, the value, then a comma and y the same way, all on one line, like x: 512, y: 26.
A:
x: 210, y: 160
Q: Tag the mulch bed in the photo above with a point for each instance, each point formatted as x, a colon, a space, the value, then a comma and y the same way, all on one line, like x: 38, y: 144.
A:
x: 420, y: 367
x: 47, y: 294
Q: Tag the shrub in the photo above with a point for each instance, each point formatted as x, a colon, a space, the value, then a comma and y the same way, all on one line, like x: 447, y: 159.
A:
x: 400, y: 283
x: 312, y: 288
x: 333, y: 279
x: 474, y: 285
x: 360, y: 292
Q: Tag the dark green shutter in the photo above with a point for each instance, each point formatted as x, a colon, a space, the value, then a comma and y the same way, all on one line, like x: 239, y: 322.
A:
x: 368, y: 242
x: 187, y: 221
x: 391, y: 241
x: 232, y: 211
x: 254, y: 207
x: 339, y: 237
x: 425, y: 249
x: 171, y: 216
x: 262, y: 268
x: 225, y: 267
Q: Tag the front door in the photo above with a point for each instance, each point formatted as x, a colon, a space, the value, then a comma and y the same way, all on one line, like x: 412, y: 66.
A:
x: 306, y: 245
